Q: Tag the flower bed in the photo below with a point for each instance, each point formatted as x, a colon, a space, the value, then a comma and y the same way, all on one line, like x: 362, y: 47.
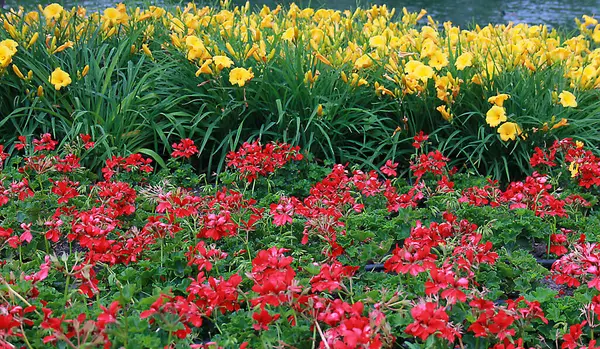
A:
x: 346, y: 86
x: 274, y: 254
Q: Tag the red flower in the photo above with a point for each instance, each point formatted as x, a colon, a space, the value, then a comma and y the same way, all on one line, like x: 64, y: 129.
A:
x: 389, y: 169
x: 45, y: 143
x: 263, y: 319
x: 186, y: 148
x: 430, y: 319
x: 330, y: 277
x: 284, y: 210
x: 87, y: 141
x: 108, y: 315
x: 571, y: 339
x: 410, y: 260
x: 21, y: 143
x: 273, y: 277
x: 419, y: 139
x: 65, y: 189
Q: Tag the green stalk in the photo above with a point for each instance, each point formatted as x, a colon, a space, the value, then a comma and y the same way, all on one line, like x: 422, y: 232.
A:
x: 67, y: 288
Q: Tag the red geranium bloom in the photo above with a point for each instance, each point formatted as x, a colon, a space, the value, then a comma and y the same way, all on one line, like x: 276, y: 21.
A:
x: 263, y: 319
x: 186, y: 148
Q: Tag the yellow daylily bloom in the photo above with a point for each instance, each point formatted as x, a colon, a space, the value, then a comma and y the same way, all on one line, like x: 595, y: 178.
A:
x: 290, y: 34
x: 378, y: 41
x: 5, y: 56
x: 499, y: 99
x: 60, y: 79
x: 66, y: 45
x: 567, y: 99
x: 205, y: 68
x: 464, y: 60
x: 240, y: 76
x: 495, y: 116
x: 11, y: 45
x: 363, y: 62
x: 222, y: 62
x: 419, y: 70
x: 53, y: 11
x: 446, y: 114
x: 509, y: 131
x: 381, y: 90
x: 563, y: 122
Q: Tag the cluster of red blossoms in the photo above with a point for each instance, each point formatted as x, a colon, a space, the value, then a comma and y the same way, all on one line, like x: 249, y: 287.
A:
x: 253, y: 159
x: 582, y: 163
x: 185, y: 148
x: 452, y: 280
x: 535, y: 193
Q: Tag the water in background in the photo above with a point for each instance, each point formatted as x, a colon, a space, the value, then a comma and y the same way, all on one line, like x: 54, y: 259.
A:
x: 555, y: 13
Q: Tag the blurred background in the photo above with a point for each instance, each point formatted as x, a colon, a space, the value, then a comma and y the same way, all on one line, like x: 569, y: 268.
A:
x: 555, y: 13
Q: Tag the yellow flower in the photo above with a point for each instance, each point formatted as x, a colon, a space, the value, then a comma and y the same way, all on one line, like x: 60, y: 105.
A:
x: 290, y: 34
x: 344, y: 77
x: 377, y: 41
x: 438, y: 60
x: 499, y: 99
x: 85, y: 71
x: 320, y: 110
x: 317, y: 35
x: 446, y: 114
x: 561, y: 123
x: 380, y: 90
x: 196, y: 48
x: 509, y: 130
x: 205, y: 68
x: 111, y: 16
x: 358, y: 81
x: 322, y: 59
x: 33, y: 39
x: 10, y: 44
x: 495, y: 116
x: 362, y: 62
x: 310, y: 78
x: 53, y: 11
x: 567, y: 99
x: 66, y: 45
x: 222, y: 62
x: 5, y: 56
x: 18, y: 72
x: 60, y: 79
x: 240, y: 76
x: 464, y: 60
x: 574, y: 169
x: 419, y: 70
x: 146, y: 50
x: 579, y: 144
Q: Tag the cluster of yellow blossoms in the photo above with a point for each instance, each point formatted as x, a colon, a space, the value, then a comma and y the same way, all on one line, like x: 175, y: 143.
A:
x: 496, y: 115
x: 368, y: 48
